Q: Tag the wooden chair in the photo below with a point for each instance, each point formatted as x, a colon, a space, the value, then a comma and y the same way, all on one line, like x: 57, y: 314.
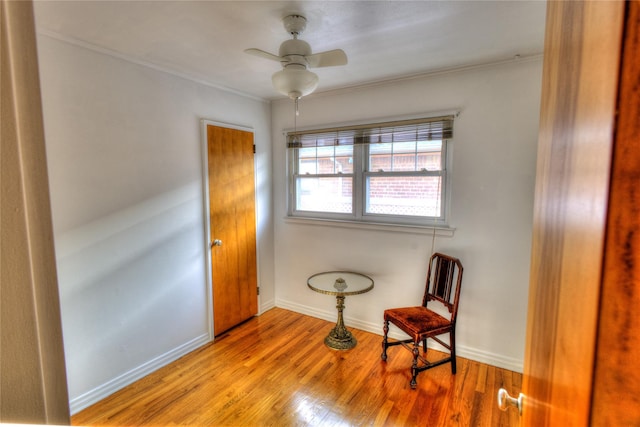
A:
x: 444, y: 278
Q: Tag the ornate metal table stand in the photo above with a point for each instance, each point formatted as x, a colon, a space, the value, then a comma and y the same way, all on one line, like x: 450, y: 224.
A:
x: 340, y: 338
x: 340, y: 284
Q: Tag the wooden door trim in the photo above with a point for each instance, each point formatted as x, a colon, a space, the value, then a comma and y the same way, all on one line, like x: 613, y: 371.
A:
x: 206, y: 213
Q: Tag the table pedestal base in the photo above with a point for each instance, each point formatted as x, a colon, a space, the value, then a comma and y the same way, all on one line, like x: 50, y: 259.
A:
x: 340, y: 338
x: 346, y: 342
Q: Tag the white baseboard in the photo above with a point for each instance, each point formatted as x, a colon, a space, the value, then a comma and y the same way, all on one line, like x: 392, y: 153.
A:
x: 493, y: 359
x: 93, y: 396
x: 478, y: 355
x: 266, y: 306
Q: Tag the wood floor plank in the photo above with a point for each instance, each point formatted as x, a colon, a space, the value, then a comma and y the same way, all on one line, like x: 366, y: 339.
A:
x: 274, y: 370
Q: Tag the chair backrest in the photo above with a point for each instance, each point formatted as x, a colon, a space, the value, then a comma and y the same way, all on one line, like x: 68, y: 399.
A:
x: 444, y: 278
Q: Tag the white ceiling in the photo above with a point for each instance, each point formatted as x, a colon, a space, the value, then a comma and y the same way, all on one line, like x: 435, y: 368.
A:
x: 384, y: 40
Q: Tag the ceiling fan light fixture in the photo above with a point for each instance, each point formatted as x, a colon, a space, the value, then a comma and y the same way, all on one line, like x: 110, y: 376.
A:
x: 295, y: 82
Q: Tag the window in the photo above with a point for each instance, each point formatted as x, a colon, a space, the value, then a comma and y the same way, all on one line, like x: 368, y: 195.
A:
x: 393, y: 172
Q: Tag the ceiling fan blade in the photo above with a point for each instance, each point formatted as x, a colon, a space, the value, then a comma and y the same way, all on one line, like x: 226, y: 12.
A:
x: 329, y: 58
x: 263, y: 54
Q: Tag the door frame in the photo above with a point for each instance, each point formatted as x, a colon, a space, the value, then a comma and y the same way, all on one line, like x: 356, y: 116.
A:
x: 206, y: 214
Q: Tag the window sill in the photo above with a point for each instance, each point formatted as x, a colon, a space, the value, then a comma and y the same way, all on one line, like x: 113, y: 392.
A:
x: 396, y: 228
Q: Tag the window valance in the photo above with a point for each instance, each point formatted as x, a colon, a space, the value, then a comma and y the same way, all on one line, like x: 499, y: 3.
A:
x: 425, y: 129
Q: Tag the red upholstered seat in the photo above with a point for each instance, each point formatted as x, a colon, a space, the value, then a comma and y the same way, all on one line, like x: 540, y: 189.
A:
x: 416, y: 321
x: 444, y: 278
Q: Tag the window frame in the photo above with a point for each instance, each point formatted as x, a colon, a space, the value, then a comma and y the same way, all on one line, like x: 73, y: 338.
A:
x: 359, y: 182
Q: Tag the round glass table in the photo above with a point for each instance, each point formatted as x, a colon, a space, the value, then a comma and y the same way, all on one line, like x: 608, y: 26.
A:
x: 340, y: 284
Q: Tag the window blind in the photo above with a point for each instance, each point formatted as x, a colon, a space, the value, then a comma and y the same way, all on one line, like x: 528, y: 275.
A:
x: 425, y: 129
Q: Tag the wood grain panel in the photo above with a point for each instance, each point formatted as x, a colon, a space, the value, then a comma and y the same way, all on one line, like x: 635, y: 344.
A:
x: 580, y: 76
x: 617, y: 379
x: 274, y: 370
x: 233, y: 221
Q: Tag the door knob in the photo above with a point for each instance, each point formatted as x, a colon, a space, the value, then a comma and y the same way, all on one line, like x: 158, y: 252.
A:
x: 216, y: 242
x: 504, y: 401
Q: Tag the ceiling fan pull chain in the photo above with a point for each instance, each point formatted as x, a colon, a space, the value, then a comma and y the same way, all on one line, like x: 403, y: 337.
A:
x: 295, y: 121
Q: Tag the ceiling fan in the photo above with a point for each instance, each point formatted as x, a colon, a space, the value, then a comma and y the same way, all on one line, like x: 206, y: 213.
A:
x: 294, y: 80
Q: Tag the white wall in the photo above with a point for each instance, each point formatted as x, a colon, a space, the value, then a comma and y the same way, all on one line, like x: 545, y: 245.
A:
x: 494, y: 156
x: 125, y: 167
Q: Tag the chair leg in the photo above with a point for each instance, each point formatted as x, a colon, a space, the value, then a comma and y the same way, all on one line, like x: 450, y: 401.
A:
x: 385, y: 329
x: 414, y: 367
x: 452, y: 343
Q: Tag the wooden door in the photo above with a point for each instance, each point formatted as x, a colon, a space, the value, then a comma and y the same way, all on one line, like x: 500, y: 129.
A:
x: 616, y: 377
x: 573, y: 227
x: 232, y: 225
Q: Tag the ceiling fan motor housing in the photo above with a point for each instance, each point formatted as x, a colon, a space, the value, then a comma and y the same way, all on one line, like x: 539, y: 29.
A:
x: 294, y: 51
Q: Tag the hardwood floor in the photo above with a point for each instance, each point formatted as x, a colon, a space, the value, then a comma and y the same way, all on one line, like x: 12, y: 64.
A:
x: 274, y: 370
